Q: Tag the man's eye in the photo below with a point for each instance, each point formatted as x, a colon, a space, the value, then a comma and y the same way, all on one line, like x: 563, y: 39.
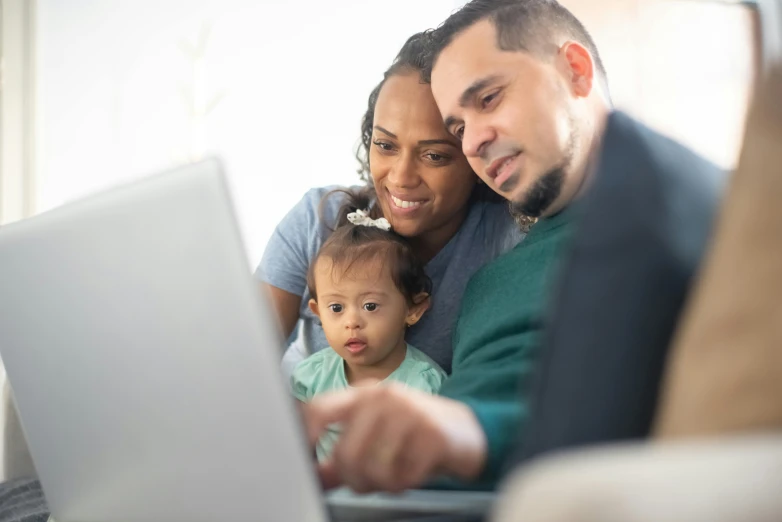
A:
x: 336, y: 308
x: 459, y: 133
x: 488, y: 99
x: 370, y: 307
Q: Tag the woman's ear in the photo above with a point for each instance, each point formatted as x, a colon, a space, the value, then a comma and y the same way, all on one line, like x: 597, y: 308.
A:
x: 313, y: 304
x: 420, y: 305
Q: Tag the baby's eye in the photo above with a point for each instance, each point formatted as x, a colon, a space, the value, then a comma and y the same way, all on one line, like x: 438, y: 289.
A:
x: 336, y: 308
x: 370, y: 307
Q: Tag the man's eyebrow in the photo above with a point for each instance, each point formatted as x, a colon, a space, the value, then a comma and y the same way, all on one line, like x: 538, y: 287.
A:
x: 469, y: 93
x: 472, y: 90
x: 384, y: 131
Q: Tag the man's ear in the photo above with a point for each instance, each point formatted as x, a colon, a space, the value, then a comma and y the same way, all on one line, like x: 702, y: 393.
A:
x: 579, y: 67
x: 313, y: 304
x: 420, y: 305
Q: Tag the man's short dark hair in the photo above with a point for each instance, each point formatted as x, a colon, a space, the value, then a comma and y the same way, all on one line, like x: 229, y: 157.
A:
x: 533, y: 26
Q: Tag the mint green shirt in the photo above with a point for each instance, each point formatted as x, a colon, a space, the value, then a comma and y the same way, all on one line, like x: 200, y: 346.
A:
x: 324, y: 371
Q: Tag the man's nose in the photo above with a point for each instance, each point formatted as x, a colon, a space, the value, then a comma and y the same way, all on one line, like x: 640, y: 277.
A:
x: 477, y: 136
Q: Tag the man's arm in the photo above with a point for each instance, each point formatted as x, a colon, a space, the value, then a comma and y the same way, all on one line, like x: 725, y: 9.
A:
x: 489, y: 379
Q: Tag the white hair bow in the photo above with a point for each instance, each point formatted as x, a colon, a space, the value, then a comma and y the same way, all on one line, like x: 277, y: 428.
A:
x: 361, y: 217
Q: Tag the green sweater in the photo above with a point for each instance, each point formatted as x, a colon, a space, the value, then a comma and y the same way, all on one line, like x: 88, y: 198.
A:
x: 497, y: 337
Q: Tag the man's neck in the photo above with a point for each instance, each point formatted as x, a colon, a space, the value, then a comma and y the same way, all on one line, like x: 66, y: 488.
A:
x: 583, y: 170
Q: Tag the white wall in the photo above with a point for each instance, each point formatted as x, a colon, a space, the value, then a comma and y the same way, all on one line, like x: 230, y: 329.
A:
x: 684, y: 67
x: 293, y: 79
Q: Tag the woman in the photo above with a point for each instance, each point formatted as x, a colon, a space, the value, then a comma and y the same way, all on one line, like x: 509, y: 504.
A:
x: 424, y: 187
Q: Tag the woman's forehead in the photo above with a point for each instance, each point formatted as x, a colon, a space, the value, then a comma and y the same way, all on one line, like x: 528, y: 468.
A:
x: 405, y: 105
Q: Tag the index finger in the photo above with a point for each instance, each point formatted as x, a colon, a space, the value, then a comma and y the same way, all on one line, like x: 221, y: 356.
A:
x: 328, y: 408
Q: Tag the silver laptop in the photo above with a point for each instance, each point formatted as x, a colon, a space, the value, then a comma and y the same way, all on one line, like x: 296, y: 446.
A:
x: 145, y: 366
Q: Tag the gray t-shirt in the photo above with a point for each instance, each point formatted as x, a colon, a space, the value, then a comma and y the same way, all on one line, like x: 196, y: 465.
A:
x: 488, y: 231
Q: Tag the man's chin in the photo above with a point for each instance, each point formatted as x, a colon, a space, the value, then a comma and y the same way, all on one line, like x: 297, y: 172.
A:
x: 536, y: 200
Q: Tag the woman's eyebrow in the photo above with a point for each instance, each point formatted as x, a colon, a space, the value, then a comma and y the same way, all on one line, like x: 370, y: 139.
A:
x: 384, y: 131
x: 439, y: 142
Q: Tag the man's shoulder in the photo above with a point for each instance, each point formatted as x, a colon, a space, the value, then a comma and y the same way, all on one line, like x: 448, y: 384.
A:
x: 631, y: 143
x: 656, y: 184
x: 503, y: 270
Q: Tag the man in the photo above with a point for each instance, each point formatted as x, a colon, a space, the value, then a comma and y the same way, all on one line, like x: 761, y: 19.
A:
x: 522, y: 85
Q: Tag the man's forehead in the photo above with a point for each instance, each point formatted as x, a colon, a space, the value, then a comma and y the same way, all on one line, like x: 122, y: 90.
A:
x: 468, y: 46
x: 465, y: 59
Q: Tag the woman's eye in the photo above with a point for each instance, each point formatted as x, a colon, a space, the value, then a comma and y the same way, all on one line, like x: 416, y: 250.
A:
x: 459, y: 133
x: 336, y: 308
x: 382, y: 145
x: 370, y: 307
x: 437, y: 158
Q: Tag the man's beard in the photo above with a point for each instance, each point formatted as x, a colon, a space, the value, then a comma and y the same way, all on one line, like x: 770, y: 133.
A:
x: 541, y: 195
x: 547, y: 188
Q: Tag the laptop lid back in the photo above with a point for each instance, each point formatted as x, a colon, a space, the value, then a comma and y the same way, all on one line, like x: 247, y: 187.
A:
x: 145, y: 364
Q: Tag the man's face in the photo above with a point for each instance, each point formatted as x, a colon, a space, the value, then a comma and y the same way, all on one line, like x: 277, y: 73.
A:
x: 513, y: 113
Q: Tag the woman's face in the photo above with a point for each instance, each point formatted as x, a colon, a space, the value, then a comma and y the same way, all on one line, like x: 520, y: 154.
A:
x: 422, y: 179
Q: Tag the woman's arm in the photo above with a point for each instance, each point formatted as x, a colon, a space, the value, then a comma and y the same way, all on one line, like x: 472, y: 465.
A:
x: 286, y: 305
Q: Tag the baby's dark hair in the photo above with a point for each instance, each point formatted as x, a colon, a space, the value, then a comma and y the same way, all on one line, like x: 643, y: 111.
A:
x: 354, y: 245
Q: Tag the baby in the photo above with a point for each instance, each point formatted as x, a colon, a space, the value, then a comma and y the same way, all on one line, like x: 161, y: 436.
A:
x: 367, y: 287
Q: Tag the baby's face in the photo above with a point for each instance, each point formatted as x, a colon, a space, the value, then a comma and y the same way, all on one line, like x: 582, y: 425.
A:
x: 363, y: 313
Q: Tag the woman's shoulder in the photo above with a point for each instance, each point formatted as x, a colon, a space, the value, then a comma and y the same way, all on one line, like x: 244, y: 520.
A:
x: 315, y: 198
x: 313, y: 216
x: 496, y: 225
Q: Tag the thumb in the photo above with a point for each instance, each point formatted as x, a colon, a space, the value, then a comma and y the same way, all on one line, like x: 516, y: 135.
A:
x: 328, y: 474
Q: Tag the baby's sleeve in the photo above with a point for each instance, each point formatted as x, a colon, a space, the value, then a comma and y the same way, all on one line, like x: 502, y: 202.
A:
x: 301, y: 381
x: 430, y: 379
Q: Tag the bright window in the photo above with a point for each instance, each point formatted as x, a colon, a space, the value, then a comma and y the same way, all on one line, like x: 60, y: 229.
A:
x: 276, y: 88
